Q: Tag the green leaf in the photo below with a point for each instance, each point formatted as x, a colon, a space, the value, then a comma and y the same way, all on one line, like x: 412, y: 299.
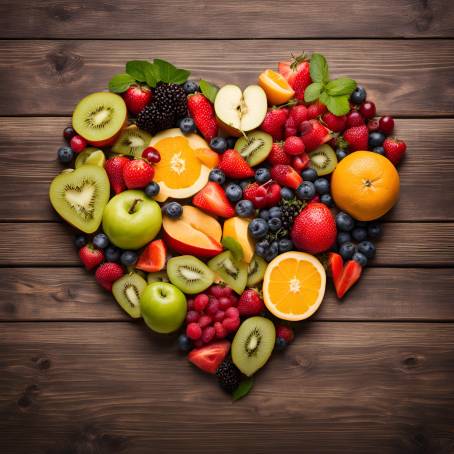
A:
x: 151, y: 75
x: 338, y: 105
x: 120, y: 83
x: 169, y: 73
x: 137, y: 68
x: 234, y: 247
x: 319, y: 68
x: 209, y: 90
x: 243, y: 389
x: 312, y: 91
x: 323, y: 98
x: 341, y: 86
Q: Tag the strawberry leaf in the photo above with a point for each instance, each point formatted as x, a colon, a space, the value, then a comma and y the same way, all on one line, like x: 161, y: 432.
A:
x: 341, y: 86
x: 210, y: 91
x: 120, y: 83
x: 319, y: 68
x: 243, y: 389
x: 337, y: 105
x: 137, y: 69
x: 169, y: 73
x: 312, y: 91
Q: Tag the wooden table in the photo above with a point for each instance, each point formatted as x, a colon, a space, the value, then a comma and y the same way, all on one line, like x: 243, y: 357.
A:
x: 372, y: 374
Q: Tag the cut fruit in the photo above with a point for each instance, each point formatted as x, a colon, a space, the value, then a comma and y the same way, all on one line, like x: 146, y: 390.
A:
x: 323, y: 160
x: 189, y: 274
x: 210, y: 357
x: 253, y: 344
x: 238, y: 111
x: 80, y: 196
x: 234, y: 247
x: 90, y: 156
x: 294, y: 285
x: 344, y: 277
x: 153, y: 257
x: 255, y: 147
x: 208, y: 157
x: 256, y: 271
x: 230, y: 271
x: 237, y: 228
x: 127, y: 291
x: 277, y: 89
x: 100, y: 117
x: 132, y: 142
x: 158, y: 276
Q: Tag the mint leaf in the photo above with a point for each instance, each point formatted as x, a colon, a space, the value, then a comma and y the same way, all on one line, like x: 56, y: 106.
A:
x: 243, y: 389
x: 120, y: 83
x: 137, y: 68
x: 312, y: 91
x: 341, y: 86
x: 210, y: 91
x: 151, y: 75
x: 323, y: 98
x: 169, y: 73
x: 338, y: 105
x: 319, y: 68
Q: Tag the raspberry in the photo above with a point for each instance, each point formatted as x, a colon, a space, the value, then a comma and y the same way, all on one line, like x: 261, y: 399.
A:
x: 213, y: 306
x: 231, y: 324
x: 219, y: 316
x: 285, y: 332
x: 205, y: 320
x: 227, y: 291
x: 193, y: 331
x: 224, y: 303
x: 220, y: 330
x: 192, y: 316
x: 200, y: 302
x: 217, y: 291
x: 208, y: 334
x: 232, y: 312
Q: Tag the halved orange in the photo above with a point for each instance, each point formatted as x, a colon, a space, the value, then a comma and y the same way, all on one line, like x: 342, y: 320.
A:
x: 294, y: 285
x: 277, y: 89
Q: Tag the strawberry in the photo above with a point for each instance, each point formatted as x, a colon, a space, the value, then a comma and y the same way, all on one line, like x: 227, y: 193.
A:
x: 274, y: 122
x: 315, y: 109
x: 107, y: 274
x: 250, y: 303
x: 234, y: 166
x: 213, y: 200
x: 137, y: 97
x: 300, y: 162
x: 314, y: 229
x: 357, y: 138
x: 286, y: 175
x: 277, y: 155
x: 285, y: 332
x: 210, y: 357
x: 313, y: 134
x: 291, y: 128
x: 90, y: 256
x: 153, y: 257
x: 114, y: 168
x: 297, y: 75
x: 137, y: 173
x: 202, y: 112
x: 298, y: 113
x: 266, y: 195
x: 335, y: 266
x: 394, y: 149
x: 294, y: 145
x: 335, y: 123
x: 344, y: 277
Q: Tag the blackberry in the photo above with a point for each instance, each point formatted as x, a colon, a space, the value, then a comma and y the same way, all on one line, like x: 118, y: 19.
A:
x: 153, y: 119
x: 290, y: 209
x: 229, y: 376
x: 171, y: 98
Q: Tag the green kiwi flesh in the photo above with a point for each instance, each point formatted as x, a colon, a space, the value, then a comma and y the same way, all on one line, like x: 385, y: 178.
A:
x: 79, y: 197
x: 189, y: 274
x: 253, y: 344
x: 255, y: 271
x: 132, y: 142
x: 231, y: 271
x: 255, y: 147
x: 158, y: 276
x: 323, y: 159
x: 90, y: 156
x: 127, y: 292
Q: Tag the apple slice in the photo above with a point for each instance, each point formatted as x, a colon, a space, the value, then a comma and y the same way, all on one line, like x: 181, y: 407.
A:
x: 238, y: 111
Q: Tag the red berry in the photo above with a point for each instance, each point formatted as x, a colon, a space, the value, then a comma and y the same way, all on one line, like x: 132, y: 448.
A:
x: 137, y: 97
x: 217, y: 291
x: 68, y: 133
x: 151, y: 155
x: 335, y: 123
x: 219, y: 316
x: 205, y: 320
x: 250, y: 303
x: 200, y: 302
x: 294, y: 146
x: 137, y: 174
x: 285, y: 332
x: 220, y: 330
x: 231, y: 324
x: 301, y: 162
x: 367, y: 109
x: 208, y: 334
x: 224, y: 303
x: 315, y: 109
x: 232, y: 312
x: 373, y: 125
x: 354, y: 118
x: 386, y: 125
x: 213, y: 306
x: 298, y: 113
x: 193, y: 331
x: 78, y: 144
x: 192, y: 316
x: 291, y: 127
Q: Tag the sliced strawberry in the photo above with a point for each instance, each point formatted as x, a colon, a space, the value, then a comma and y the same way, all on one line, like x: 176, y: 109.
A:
x: 301, y: 162
x: 335, y: 267
x: 285, y: 175
x: 213, y: 200
x: 266, y: 195
x: 234, y: 166
x: 210, y: 357
x: 314, y: 134
x: 153, y: 257
x: 350, y: 275
x: 114, y: 168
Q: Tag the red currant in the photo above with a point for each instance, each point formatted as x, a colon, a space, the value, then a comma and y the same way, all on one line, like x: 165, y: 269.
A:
x: 220, y: 330
x: 231, y: 324
x: 219, y: 316
x: 367, y: 109
x: 192, y: 316
x: 78, y: 144
x: 201, y: 302
x: 205, y: 320
x: 386, y: 125
x: 224, y: 303
x: 213, y: 306
x: 217, y: 291
x: 232, y: 312
x: 208, y: 334
x: 151, y: 155
x: 193, y: 331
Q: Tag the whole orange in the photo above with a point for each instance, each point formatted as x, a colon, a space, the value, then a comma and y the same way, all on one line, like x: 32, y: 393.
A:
x: 365, y: 185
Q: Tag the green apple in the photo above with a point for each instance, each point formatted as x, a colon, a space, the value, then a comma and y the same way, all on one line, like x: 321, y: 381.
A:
x: 131, y: 219
x: 163, y: 307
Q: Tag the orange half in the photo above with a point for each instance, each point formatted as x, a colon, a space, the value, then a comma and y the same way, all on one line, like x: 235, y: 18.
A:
x: 294, y: 285
x: 277, y: 89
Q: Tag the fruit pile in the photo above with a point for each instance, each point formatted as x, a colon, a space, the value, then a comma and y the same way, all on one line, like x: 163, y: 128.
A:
x: 215, y: 212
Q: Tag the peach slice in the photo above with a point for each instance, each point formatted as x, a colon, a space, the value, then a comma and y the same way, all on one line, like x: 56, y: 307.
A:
x: 237, y: 228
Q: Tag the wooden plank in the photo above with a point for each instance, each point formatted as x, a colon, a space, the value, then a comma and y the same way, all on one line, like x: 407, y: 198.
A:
x: 111, y: 387
x: 232, y: 19
x: 60, y: 294
x: 28, y: 163
x: 394, y: 72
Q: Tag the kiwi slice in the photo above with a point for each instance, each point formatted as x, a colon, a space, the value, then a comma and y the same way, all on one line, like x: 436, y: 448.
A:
x: 231, y: 271
x: 158, y: 276
x: 90, y: 156
x: 255, y: 147
x: 132, y: 142
x: 127, y: 292
x: 323, y: 160
x: 253, y: 344
x: 99, y: 117
x: 79, y: 197
x: 255, y: 271
x: 189, y: 274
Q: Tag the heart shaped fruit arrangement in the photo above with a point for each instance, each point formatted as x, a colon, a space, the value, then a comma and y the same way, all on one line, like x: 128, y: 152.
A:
x: 215, y: 212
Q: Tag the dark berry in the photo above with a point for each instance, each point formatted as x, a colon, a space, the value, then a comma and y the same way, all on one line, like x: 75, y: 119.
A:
x: 347, y: 250
x: 262, y: 175
x: 359, y: 95
x: 261, y: 247
x: 128, y: 258
x: 321, y: 186
x: 244, y: 208
x: 101, y: 241
x: 309, y: 174
x: 379, y: 150
x: 287, y: 193
x: 190, y: 86
x: 258, y: 228
x: 359, y: 233
x: 112, y: 254
x: 187, y: 125
x: 285, y: 245
x: 217, y: 176
x: 367, y: 248
x: 360, y: 258
x: 274, y: 224
x: 218, y: 144
x: 306, y: 190
x: 68, y: 133
x: 386, y: 125
x: 184, y: 343
x: 173, y: 209
x: 367, y: 109
x: 80, y: 241
x: 275, y: 212
x: 229, y: 376
x: 374, y: 230
x: 152, y: 189
x: 327, y: 200
x: 344, y: 222
x: 65, y: 155
x: 340, y: 154
x: 281, y: 344
x: 151, y: 155
x: 272, y: 251
x: 231, y: 141
x: 264, y: 214
x: 376, y: 139
x: 343, y: 237
x: 233, y: 192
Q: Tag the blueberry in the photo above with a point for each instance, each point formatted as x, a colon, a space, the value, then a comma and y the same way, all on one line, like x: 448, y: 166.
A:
x: 258, y: 228
x: 264, y: 214
x: 340, y: 154
x: 376, y: 139
x: 274, y: 224
x: 359, y: 95
x: 218, y: 144
x: 184, y: 343
x: 379, y: 150
x: 190, y: 86
x: 233, y: 192
x: 367, y: 248
x: 231, y: 141
x: 305, y: 191
x: 285, y: 245
x: 343, y: 237
x: 287, y: 193
x: 244, y: 208
x: 128, y: 258
x: 80, y: 241
x: 347, y: 250
x: 272, y: 251
x: 152, y: 189
x: 360, y: 258
x: 275, y: 212
x: 309, y: 174
x: 281, y: 344
x: 101, y: 241
x: 327, y: 200
x: 261, y: 247
x: 321, y: 186
x: 65, y: 155
x: 187, y: 125
x: 112, y: 254
x: 374, y: 230
x: 262, y: 175
x: 68, y: 133
x: 359, y: 233
x: 344, y: 222
x: 217, y: 176
x: 173, y: 209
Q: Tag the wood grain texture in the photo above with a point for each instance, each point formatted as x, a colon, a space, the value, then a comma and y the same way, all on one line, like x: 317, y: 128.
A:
x: 231, y: 19
x: 340, y: 388
x: 395, y: 73
x: 24, y: 183
x: 60, y: 294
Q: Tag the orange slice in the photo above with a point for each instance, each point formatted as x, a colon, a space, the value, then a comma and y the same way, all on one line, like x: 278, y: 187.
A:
x: 277, y: 89
x: 294, y: 285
